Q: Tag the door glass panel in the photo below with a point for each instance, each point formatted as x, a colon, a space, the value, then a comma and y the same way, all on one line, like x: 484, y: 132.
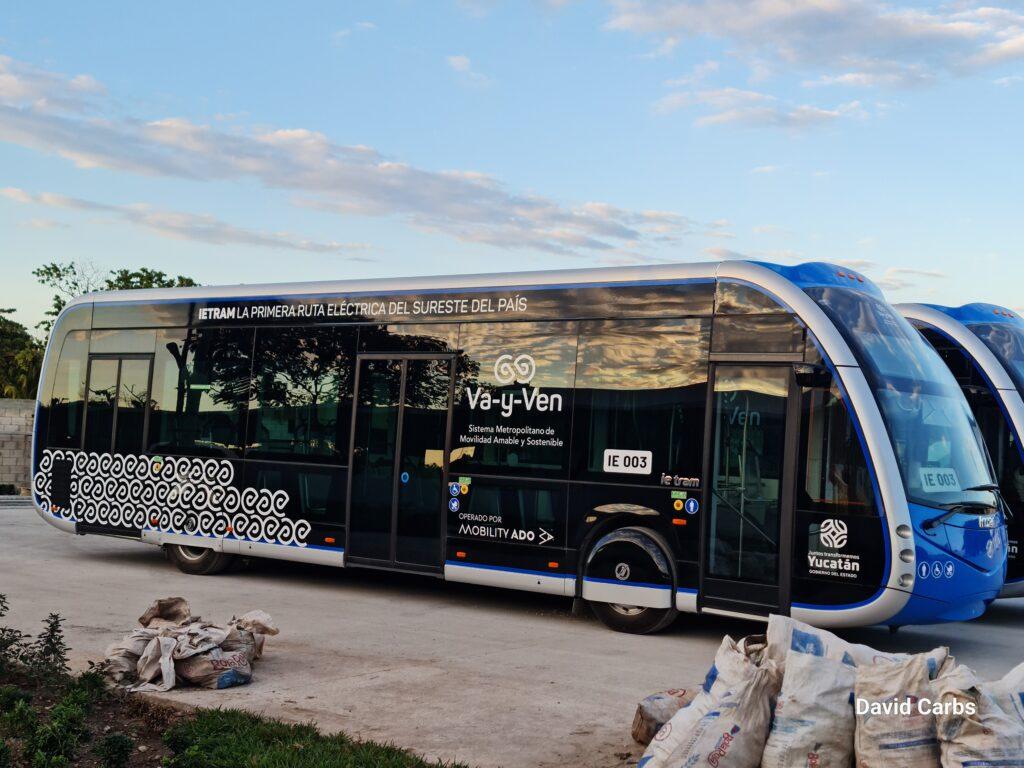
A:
x: 747, y: 470
x: 421, y: 468
x: 102, y: 397
x: 133, y: 397
x: 373, y: 458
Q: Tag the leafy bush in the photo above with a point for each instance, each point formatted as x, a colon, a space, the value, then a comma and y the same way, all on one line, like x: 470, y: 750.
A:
x: 12, y: 642
x: 114, y: 750
x: 10, y: 695
x: 53, y: 744
x: 22, y: 721
x: 6, y: 759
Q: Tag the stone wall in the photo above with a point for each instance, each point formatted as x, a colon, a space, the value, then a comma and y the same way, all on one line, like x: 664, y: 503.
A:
x: 16, y: 441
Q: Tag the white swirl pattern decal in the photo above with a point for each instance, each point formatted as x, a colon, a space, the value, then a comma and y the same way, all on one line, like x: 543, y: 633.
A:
x: 174, y: 494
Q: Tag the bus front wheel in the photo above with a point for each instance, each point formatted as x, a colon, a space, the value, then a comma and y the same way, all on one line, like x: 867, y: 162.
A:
x: 198, y: 560
x: 628, y: 580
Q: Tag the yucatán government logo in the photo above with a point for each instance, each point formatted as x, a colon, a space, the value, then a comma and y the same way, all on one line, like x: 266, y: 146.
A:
x: 519, y: 369
x: 833, y: 533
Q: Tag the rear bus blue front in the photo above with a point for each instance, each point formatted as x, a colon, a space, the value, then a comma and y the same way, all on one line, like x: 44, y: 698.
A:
x: 960, y: 566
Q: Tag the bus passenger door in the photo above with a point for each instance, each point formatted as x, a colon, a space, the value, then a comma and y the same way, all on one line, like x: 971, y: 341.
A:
x: 401, y: 427
x: 748, y: 527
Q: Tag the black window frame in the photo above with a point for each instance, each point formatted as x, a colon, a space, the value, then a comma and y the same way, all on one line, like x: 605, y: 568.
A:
x: 144, y: 439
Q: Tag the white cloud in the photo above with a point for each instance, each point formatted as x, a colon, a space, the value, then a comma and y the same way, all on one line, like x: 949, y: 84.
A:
x: 202, y: 228
x: 1008, y: 80
x: 849, y: 42
x: 462, y: 64
x: 725, y: 253
x: 764, y: 169
x: 697, y: 74
x: 341, y: 35
x: 737, y: 106
x: 42, y: 223
x: 344, y: 179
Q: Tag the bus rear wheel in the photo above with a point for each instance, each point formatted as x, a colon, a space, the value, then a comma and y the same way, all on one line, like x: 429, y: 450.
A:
x: 635, y: 619
x: 199, y: 561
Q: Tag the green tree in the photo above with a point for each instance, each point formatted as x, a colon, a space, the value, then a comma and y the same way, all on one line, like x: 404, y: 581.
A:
x: 71, y: 279
x: 21, y: 357
x: 128, y: 279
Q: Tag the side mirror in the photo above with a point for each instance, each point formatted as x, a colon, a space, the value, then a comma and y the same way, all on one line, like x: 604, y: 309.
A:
x: 811, y: 376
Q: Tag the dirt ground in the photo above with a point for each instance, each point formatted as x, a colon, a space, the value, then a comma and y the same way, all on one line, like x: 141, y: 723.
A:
x: 488, y: 677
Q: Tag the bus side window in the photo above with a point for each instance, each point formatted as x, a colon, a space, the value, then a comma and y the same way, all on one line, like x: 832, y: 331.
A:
x: 67, y: 402
x: 201, y: 384
x: 641, y: 386
x: 833, y: 472
x: 118, y: 396
x: 513, y: 399
x: 302, y: 399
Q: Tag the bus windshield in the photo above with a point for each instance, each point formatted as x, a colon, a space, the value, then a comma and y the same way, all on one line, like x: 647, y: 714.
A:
x: 936, y: 438
x: 1007, y: 343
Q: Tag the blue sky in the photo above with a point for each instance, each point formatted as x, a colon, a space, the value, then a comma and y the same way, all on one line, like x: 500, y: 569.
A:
x: 255, y: 142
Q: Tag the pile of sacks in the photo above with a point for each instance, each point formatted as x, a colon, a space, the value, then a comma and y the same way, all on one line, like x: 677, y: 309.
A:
x: 800, y: 697
x: 173, y: 646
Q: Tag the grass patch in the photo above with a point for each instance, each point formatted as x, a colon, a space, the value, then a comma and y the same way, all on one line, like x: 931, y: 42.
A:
x: 227, y: 738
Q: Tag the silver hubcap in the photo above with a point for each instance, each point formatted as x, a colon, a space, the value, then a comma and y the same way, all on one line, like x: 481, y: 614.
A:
x: 627, y: 610
x: 191, y: 553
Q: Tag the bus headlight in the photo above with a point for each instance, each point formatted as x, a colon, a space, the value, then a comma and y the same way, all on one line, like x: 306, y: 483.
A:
x: 907, y: 555
x: 906, y: 580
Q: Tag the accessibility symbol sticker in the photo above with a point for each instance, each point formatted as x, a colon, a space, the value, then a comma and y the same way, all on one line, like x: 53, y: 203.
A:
x: 950, y: 569
x: 454, y: 489
x: 923, y: 570
x: 936, y: 569
x: 453, y: 504
x: 692, y: 506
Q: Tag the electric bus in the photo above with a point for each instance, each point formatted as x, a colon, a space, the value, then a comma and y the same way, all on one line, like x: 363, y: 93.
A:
x: 731, y: 438
x: 983, y: 345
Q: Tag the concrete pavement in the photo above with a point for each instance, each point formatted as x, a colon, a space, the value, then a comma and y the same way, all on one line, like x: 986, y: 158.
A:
x: 487, y: 677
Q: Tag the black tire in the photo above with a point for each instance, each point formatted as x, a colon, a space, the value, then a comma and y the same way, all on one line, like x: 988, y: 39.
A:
x: 643, y: 553
x: 198, y: 561
x: 635, y: 620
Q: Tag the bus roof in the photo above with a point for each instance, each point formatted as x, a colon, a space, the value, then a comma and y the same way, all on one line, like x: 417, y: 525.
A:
x: 802, y: 275
x: 979, y: 312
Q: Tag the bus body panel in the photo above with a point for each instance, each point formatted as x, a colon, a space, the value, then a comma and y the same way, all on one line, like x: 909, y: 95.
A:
x: 895, y: 600
x: 948, y: 322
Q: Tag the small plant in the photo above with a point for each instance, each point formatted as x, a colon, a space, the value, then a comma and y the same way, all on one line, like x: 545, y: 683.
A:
x: 6, y: 758
x: 47, y: 657
x: 53, y: 744
x: 12, y: 642
x: 21, y: 722
x: 114, y: 750
x: 10, y: 695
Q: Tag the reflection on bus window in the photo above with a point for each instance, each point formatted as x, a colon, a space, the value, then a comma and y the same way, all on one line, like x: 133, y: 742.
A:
x: 935, y: 437
x: 514, y: 398
x: 99, y: 419
x: 200, y: 391
x: 302, y: 403
x: 747, y: 472
x: 1007, y: 343
x: 641, y: 386
x: 833, y: 472
x: 67, y: 402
